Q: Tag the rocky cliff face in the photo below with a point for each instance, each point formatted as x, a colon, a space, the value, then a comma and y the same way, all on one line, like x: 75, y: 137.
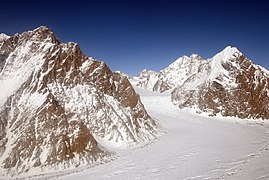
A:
x: 56, y: 104
x: 228, y: 84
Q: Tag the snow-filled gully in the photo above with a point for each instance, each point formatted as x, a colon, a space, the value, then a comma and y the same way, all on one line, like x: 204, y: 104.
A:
x: 192, y: 147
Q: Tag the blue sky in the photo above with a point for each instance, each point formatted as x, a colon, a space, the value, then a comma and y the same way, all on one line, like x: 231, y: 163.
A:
x: 131, y: 35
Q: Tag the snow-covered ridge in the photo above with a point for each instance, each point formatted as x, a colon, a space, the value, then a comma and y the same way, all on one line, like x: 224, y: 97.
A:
x: 173, y: 75
x: 228, y: 83
x: 185, y: 67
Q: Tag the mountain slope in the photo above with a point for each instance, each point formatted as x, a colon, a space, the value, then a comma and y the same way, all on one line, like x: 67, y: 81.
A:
x: 56, y: 102
x: 193, y: 147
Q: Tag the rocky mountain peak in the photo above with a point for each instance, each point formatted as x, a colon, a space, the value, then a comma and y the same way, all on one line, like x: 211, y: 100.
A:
x: 58, y: 107
x: 40, y: 34
x: 229, y: 84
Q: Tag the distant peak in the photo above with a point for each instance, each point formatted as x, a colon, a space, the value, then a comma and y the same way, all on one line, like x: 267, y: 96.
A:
x: 42, y: 28
x: 3, y: 36
x: 195, y: 56
x: 147, y: 70
x: 230, y: 48
x: 185, y: 58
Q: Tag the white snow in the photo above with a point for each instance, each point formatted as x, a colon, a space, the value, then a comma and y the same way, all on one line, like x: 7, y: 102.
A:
x: 223, y: 56
x: 16, y: 72
x: 184, y: 69
x: 193, y: 147
x: 226, y: 54
x: 146, y: 79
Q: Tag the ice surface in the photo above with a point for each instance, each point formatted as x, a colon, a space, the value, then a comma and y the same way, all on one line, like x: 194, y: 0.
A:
x: 193, y: 147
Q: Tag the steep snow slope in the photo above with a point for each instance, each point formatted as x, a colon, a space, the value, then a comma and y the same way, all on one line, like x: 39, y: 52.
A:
x: 193, y: 147
x: 58, y: 107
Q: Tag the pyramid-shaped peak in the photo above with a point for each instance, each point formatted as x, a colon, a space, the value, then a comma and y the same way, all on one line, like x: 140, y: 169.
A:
x: 230, y: 49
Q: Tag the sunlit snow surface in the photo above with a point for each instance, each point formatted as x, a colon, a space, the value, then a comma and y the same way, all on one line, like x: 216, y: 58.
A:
x: 192, y: 147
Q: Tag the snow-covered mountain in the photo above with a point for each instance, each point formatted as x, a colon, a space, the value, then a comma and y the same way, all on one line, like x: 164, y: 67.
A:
x: 147, y: 79
x: 58, y: 107
x: 173, y: 75
x: 229, y: 84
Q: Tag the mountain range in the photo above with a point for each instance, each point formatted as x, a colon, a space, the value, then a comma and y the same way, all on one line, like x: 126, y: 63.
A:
x: 228, y: 84
x: 60, y: 109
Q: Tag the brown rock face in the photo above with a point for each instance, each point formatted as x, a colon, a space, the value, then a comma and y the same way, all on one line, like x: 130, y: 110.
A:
x: 240, y: 89
x: 56, y: 101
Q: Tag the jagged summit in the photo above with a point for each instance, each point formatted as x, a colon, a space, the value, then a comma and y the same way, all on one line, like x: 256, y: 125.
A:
x: 42, y: 33
x: 42, y: 30
x: 59, y: 109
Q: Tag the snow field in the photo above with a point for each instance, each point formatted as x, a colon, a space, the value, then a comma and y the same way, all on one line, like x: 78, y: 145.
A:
x: 193, y: 147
